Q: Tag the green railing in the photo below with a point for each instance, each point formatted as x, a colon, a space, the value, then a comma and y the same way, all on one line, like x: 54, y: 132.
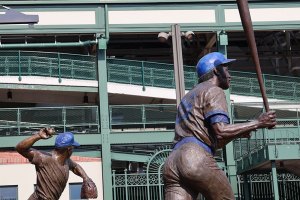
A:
x: 59, y: 65
x: 62, y: 65
x: 287, y: 130
x: 157, y: 116
x: 23, y: 121
x: 261, y: 188
x: 137, y: 186
x: 162, y: 75
x: 134, y: 186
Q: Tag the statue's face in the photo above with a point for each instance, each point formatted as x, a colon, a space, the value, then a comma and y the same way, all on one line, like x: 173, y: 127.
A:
x: 224, y: 78
x: 70, y: 150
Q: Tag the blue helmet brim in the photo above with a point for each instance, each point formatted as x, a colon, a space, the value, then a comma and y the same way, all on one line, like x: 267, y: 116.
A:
x: 228, y: 61
x: 76, y: 144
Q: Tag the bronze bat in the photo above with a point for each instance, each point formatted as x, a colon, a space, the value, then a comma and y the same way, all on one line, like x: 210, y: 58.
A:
x: 248, y: 28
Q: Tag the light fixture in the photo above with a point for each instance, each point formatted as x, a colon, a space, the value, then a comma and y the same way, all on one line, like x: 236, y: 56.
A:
x: 9, y: 95
x: 85, y: 98
x: 189, y: 35
x: 163, y: 37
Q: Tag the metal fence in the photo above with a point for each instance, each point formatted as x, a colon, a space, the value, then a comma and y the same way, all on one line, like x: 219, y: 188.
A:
x: 259, y: 187
x: 287, y: 130
x: 59, y: 65
x: 23, y: 121
x: 139, y: 186
x: 62, y: 65
x: 158, y: 116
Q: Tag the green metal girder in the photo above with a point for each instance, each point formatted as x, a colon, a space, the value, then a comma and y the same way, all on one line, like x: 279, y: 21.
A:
x: 101, y: 13
x: 129, y: 157
x: 219, y: 25
x: 86, y: 139
x: 87, y: 153
x: 98, y: 27
x: 47, y: 45
x: 48, y: 87
x: 42, y: 2
x: 154, y: 137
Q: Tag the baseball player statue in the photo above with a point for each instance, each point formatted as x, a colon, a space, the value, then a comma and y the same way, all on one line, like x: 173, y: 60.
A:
x: 202, y: 126
x: 52, y: 169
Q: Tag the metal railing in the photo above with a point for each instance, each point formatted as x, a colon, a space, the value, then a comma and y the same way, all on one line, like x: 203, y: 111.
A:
x: 155, y: 116
x: 260, y: 187
x: 59, y: 65
x: 137, y: 186
x: 287, y: 130
x: 24, y: 121
x: 62, y: 65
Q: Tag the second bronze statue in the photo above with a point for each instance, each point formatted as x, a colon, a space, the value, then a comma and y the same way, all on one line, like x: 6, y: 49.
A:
x: 53, y: 168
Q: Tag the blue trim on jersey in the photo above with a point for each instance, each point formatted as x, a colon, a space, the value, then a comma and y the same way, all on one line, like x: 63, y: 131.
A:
x: 193, y: 140
x: 219, y: 118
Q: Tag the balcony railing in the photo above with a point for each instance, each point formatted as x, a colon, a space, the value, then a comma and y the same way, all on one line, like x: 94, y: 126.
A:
x: 61, y: 65
x: 141, y: 117
x: 287, y: 130
x: 25, y: 121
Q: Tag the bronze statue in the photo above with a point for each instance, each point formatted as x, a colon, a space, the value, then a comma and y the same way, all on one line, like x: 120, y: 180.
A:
x: 202, y: 126
x: 52, y: 169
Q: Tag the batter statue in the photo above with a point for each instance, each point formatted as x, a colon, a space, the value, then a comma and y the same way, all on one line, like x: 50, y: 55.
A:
x: 52, y: 169
x: 202, y: 126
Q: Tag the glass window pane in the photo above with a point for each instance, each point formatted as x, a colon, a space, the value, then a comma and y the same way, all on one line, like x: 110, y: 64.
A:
x: 9, y: 192
x: 75, y: 189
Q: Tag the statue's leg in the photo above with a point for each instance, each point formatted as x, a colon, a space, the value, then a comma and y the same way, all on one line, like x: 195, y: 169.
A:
x: 177, y: 193
x: 174, y: 190
x: 200, y: 173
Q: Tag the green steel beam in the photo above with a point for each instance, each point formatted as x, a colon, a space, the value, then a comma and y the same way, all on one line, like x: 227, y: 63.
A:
x: 87, y: 153
x: 47, y: 45
x: 142, y: 137
x: 104, y: 119
x: 49, y: 2
x: 129, y: 157
x: 100, y: 26
x: 48, y: 87
x: 86, y: 139
x: 275, y: 181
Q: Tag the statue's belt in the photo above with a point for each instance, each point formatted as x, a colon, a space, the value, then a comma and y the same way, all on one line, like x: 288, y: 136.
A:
x: 193, y: 140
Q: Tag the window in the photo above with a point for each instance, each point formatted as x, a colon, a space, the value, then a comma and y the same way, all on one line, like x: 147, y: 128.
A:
x: 75, y: 189
x: 9, y: 192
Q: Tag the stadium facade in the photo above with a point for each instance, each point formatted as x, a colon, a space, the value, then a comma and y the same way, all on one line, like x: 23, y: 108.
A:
x: 103, y: 69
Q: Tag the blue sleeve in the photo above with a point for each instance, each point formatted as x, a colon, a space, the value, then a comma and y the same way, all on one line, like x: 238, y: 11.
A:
x: 216, y: 117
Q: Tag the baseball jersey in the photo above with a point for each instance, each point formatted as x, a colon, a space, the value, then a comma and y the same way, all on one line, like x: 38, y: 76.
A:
x: 201, y: 107
x: 52, y: 177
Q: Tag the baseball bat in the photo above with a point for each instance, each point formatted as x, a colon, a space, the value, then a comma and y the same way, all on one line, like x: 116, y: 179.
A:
x: 248, y: 29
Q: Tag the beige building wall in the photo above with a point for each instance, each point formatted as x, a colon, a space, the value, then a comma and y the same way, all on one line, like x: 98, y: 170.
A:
x: 24, y: 176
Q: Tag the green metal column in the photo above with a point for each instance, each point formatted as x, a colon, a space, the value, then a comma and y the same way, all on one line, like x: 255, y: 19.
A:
x: 275, y: 181
x: 246, y: 187
x: 104, y: 120
x: 222, y: 39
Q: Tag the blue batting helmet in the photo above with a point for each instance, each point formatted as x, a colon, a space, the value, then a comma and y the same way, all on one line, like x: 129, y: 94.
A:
x: 65, y: 139
x: 210, y: 61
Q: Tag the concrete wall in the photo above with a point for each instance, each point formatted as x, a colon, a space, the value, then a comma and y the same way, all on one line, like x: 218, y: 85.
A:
x: 24, y: 176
